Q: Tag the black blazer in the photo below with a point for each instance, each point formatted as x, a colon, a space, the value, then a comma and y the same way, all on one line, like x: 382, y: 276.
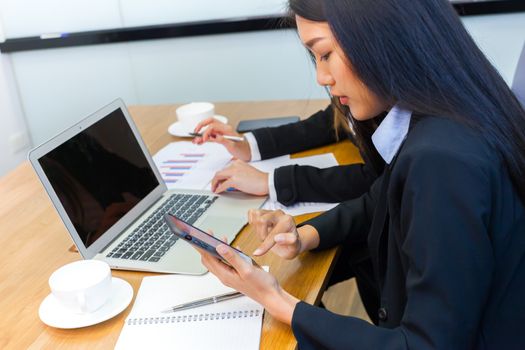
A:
x: 295, y: 183
x: 446, y: 233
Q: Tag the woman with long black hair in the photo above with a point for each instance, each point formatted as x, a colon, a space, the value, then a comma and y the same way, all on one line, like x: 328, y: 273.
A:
x: 445, y: 223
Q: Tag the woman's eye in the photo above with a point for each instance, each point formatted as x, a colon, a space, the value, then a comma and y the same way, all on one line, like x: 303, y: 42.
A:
x: 324, y: 57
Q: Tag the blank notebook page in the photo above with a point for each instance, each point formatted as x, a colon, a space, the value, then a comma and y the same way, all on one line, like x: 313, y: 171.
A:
x: 231, y: 324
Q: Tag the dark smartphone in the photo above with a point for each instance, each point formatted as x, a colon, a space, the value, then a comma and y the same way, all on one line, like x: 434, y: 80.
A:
x: 252, y: 124
x: 199, y: 238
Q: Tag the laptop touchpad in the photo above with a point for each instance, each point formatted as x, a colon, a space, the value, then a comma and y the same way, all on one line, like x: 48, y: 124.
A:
x: 222, y: 226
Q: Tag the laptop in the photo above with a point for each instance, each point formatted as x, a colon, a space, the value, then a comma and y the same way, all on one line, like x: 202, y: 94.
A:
x: 111, y: 197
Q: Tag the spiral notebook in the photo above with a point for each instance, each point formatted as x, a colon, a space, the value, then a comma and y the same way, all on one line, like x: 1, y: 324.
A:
x: 231, y: 324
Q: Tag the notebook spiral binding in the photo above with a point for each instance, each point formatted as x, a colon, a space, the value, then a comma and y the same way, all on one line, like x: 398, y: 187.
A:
x: 214, y: 316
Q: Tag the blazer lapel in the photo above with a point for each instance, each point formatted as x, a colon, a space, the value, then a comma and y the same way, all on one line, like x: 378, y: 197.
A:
x: 378, y: 237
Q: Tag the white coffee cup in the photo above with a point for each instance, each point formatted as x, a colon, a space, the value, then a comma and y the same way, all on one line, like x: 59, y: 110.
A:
x: 189, y: 115
x: 82, y: 286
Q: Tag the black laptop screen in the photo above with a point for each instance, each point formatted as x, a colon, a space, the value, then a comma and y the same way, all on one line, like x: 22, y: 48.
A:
x: 99, y: 175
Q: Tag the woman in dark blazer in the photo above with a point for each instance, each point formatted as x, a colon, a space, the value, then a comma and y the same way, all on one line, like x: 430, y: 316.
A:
x: 292, y: 183
x: 445, y: 223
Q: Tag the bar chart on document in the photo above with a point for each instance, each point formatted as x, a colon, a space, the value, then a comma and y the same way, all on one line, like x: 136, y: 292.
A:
x: 185, y: 165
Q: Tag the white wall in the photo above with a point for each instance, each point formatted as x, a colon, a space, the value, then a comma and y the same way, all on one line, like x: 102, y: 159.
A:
x: 142, y: 12
x: 60, y: 86
x: 23, y: 18
x: 14, y: 138
x: 501, y: 38
x: 247, y: 66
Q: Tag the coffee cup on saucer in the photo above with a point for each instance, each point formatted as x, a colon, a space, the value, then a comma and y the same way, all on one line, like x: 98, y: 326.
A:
x: 191, y: 114
x: 82, y: 286
x: 83, y: 293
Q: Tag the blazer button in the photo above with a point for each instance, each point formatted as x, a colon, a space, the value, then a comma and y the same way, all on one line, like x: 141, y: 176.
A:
x: 382, y: 314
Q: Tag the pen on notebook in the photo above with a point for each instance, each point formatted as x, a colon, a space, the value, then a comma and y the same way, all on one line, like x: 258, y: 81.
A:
x: 227, y: 137
x: 202, y: 302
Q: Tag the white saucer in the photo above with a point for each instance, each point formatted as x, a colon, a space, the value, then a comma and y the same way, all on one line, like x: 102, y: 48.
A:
x: 177, y: 129
x: 53, y: 314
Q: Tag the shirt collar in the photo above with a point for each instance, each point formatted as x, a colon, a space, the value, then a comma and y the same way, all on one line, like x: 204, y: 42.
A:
x: 391, y: 133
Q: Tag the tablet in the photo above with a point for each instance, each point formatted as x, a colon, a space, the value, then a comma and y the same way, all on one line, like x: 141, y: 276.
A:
x: 252, y: 124
x: 199, y: 238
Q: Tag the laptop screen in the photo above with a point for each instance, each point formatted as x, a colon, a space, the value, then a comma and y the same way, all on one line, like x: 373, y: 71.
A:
x: 99, y: 175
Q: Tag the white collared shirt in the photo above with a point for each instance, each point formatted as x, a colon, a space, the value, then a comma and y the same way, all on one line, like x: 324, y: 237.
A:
x: 391, y: 133
x: 254, y: 147
x: 256, y: 155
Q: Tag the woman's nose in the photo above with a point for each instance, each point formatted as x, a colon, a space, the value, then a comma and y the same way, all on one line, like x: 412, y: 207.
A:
x: 324, y: 78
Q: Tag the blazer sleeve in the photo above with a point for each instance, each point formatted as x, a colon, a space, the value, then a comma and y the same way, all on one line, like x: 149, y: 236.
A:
x: 315, y: 131
x: 295, y: 183
x: 444, y: 213
x: 349, y: 222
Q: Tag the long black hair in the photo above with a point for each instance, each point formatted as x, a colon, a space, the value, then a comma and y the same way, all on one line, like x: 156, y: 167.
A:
x: 418, y: 55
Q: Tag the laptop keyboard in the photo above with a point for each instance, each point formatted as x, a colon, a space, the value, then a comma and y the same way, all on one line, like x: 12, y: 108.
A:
x: 152, y: 239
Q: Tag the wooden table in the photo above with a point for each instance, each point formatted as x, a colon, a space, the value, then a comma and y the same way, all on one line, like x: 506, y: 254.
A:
x: 34, y: 242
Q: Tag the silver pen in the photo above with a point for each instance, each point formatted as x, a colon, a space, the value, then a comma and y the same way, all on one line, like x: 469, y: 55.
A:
x: 227, y: 137
x: 205, y: 301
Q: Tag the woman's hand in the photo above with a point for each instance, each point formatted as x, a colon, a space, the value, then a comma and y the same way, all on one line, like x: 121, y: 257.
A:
x: 214, y: 131
x: 278, y: 233
x: 252, y: 281
x: 240, y: 176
